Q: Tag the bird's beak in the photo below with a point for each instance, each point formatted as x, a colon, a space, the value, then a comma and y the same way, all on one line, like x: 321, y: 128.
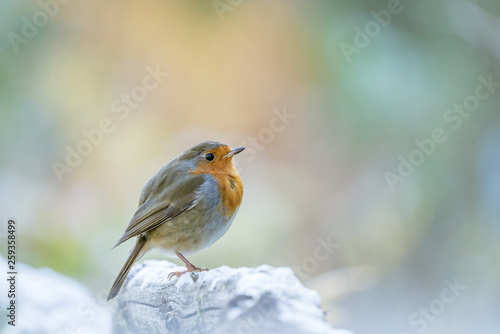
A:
x: 233, y: 152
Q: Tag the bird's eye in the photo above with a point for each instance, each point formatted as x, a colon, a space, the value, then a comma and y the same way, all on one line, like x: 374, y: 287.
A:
x: 209, y: 156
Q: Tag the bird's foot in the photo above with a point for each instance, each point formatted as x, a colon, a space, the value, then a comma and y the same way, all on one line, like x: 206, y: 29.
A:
x: 189, y: 270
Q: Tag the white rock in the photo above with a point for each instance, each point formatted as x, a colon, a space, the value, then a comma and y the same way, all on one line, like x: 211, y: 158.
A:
x: 223, y: 300
x: 49, y: 302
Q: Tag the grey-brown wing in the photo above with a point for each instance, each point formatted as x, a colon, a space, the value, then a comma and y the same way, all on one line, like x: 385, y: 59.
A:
x: 159, y: 209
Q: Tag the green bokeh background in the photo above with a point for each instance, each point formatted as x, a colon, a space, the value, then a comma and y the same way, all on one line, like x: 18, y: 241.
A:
x: 320, y: 176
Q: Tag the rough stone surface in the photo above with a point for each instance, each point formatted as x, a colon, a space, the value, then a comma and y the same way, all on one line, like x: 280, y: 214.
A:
x: 51, y: 303
x: 223, y: 300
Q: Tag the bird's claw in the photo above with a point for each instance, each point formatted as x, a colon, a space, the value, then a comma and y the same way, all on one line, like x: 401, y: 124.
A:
x: 189, y: 270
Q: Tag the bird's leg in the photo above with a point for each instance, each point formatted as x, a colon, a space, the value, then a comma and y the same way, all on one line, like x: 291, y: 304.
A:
x: 189, y: 266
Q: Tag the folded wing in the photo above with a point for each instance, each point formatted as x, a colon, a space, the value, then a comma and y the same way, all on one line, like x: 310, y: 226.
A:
x: 156, y: 210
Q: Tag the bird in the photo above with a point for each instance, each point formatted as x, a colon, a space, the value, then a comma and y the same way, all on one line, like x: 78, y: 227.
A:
x: 185, y: 207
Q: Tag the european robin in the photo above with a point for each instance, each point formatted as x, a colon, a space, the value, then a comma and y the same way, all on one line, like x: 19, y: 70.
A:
x: 185, y: 207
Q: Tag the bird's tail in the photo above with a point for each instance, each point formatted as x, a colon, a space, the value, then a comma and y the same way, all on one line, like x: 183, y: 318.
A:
x: 134, y: 254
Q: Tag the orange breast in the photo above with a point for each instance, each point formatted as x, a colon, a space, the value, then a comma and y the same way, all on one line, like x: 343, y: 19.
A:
x: 228, y: 180
x: 231, y: 192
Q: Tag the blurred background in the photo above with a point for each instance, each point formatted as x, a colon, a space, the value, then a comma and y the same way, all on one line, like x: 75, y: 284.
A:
x: 337, y: 103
